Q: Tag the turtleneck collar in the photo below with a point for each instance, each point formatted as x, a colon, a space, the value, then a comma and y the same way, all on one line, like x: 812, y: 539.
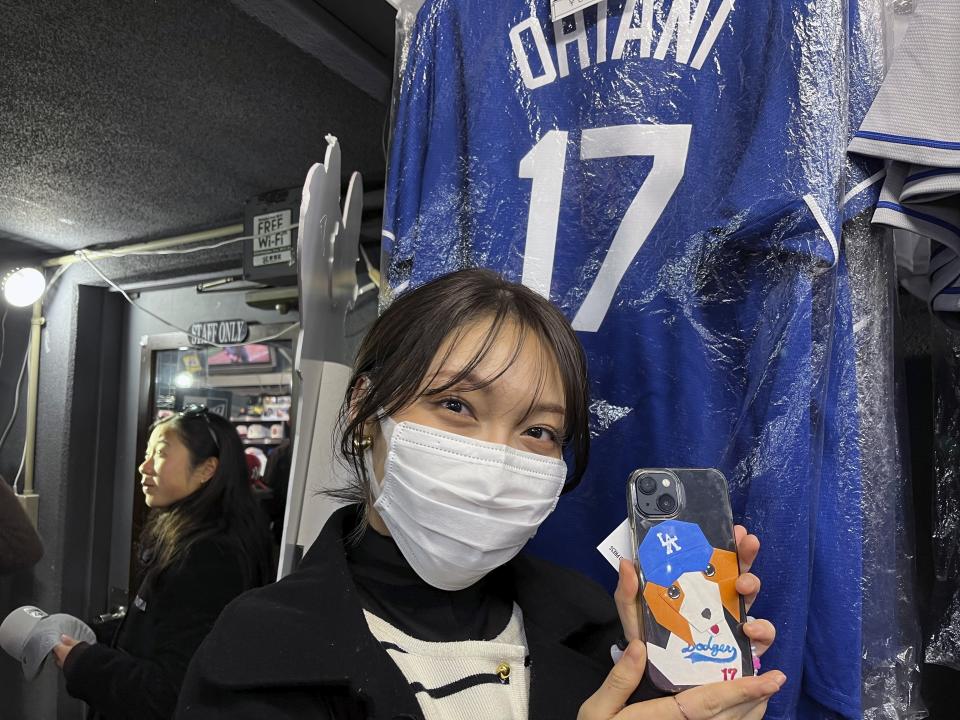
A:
x: 390, y: 589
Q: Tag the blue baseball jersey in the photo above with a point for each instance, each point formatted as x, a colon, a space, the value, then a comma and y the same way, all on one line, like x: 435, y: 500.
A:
x: 670, y: 174
x: 837, y: 574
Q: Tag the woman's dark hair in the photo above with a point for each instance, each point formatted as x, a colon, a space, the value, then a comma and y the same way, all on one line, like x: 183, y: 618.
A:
x: 399, y: 349
x: 223, y: 505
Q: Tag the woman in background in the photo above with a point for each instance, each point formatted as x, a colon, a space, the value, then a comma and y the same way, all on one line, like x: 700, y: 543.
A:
x: 204, y: 544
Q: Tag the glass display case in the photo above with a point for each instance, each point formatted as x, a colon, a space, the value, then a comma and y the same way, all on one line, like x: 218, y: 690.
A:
x: 250, y: 385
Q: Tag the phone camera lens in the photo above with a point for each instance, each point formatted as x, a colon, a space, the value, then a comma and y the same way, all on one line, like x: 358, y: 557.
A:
x: 648, y: 484
x: 667, y: 503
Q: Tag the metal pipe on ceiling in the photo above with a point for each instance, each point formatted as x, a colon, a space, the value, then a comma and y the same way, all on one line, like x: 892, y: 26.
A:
x: 161, y: 244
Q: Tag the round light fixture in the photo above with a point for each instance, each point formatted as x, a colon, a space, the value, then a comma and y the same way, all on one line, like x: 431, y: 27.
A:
x: 23, y: 286
x: 183, y: 380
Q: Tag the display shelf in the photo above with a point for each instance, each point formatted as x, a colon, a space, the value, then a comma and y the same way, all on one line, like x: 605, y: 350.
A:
x: 252, y: 380
x: 257, y: 419
x: 262, y: 441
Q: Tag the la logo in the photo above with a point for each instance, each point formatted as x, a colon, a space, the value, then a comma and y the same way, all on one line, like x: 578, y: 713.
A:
x: 669, y: 543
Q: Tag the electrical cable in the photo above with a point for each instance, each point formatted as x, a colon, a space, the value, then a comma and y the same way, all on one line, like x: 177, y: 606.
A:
x: 23, y: 460
x: 16, y: 397
x: 3, y: 334
x: 83, y: 255
x: 56, y: 276
x: 119, y: 252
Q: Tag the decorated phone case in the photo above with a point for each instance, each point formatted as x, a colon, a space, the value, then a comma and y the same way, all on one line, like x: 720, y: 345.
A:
x: 685, y: 554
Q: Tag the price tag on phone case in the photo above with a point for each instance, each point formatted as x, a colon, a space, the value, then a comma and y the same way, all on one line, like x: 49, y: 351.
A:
x: 617, y: 545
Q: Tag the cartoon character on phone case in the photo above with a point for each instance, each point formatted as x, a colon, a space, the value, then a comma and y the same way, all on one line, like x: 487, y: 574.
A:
x: 690, y: 591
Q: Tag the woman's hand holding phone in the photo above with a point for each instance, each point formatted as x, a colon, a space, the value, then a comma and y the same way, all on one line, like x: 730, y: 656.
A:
x: 742, y: 699
x: 748, y: 547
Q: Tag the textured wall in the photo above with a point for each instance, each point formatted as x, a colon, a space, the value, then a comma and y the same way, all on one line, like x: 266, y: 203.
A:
x: 43, y: 585
x: 127, y: 120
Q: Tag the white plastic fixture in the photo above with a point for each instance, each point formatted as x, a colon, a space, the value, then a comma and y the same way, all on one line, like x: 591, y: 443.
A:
x: 23, y: 286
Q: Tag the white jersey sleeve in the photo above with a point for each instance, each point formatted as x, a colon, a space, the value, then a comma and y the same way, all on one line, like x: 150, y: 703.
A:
x: 915, y: 117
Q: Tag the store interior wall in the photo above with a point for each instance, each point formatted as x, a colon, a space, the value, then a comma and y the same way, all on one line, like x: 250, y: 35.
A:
x: 14, y: 341
x: 18, y: 588
x: 75, y: 431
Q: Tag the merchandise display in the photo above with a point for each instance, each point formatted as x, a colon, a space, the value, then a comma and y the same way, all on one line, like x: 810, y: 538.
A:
x: 675, y: 179
x: 260, y: 456
x: 867, y: 422
x: 256, y: 431
x: 914, y: 124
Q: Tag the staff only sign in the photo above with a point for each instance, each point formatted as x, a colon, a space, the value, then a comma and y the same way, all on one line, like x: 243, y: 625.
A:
x: 219, y: 332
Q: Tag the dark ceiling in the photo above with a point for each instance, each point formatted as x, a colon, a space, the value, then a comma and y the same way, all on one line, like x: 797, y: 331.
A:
x: 125, y: 120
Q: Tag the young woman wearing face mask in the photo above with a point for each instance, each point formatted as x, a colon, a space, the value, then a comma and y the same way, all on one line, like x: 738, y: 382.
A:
x: 203, y: 545
x: 415, y: 601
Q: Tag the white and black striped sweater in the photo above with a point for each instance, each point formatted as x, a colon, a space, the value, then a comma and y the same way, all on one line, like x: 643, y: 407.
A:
x: 452, y: 679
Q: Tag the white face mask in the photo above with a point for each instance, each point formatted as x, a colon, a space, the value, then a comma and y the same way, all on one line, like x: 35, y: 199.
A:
x: 457, y: 507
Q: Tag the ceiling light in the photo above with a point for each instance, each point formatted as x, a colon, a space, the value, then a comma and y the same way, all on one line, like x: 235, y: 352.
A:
x: 183, y: 380
x: 23, y: 286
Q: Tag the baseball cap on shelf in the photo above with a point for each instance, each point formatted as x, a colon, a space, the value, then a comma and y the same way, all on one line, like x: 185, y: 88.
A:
x: 28, y: 635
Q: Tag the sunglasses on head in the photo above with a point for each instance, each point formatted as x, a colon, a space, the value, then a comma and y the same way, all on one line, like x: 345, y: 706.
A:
x: 193, y: 411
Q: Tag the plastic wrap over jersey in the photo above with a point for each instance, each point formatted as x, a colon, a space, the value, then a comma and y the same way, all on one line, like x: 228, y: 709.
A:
x: 943, y: 643
x: 672, y: 175
x: 890, y: 631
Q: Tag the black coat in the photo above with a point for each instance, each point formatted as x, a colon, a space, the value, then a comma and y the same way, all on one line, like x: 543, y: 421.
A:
x: 301, y: 648
x: 139, y: 677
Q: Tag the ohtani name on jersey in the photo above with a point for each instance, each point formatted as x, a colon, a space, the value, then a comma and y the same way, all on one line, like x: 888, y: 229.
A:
x: 635, y: 36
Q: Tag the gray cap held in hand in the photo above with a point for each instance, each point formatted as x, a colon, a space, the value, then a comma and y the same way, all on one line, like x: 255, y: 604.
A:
x: 28, y: 635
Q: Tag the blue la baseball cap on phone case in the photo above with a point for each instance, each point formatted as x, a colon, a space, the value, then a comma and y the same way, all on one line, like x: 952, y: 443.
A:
x: 672, y: 548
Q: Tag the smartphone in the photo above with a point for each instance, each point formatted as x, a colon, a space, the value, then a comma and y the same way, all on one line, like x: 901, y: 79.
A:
x: 685, y: 553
